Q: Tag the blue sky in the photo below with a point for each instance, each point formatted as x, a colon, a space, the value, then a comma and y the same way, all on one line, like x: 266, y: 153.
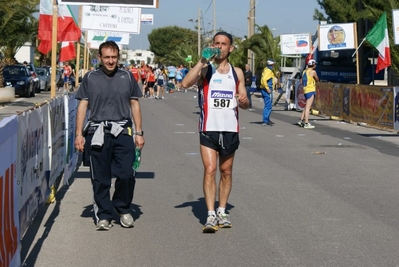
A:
x: 285, y: 16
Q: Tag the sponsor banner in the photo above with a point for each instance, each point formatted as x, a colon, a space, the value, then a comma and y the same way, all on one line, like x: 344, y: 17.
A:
x: 134, y: 3
x: 9, y: 189
x: 71, y: 157
x: 111, y: 18
x: 369, y: 104
x: 295, y: 43
x: 57, y: 139
x: 336, y: 36
x: 396, y: 108
x: 395, y: 25
x: 121, y: 38
x: 329, y: 98
x: 147, y: 19
x: 300, y: 101
x: 30, y: 167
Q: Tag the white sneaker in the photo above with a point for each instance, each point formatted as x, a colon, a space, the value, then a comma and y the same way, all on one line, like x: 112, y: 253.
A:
x: 308, y: 126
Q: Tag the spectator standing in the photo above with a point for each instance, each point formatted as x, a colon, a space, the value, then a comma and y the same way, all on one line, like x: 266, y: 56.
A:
x: 248, y: 83
x: 267, y: 86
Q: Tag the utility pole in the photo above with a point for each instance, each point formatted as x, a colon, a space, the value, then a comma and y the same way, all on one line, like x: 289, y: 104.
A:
x: 199, y: 32
x: 214, y: 17
x: 251, y: 31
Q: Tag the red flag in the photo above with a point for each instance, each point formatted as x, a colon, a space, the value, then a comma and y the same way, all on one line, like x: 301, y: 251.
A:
x: 67, y: 29
x: 67, y: 51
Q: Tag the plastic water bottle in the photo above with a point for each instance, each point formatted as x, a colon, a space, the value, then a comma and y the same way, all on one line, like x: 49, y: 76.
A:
x: 137, y: 159
x: 210, y: 52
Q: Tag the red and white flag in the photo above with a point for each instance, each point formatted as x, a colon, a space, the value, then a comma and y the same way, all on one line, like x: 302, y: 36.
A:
x: 67, y: 29
x: 67, y: 51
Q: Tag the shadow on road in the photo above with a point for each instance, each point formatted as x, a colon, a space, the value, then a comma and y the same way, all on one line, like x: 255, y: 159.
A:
x: 198, y: 208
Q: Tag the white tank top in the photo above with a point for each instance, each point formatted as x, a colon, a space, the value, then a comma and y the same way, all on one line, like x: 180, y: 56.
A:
x: 218, y: 104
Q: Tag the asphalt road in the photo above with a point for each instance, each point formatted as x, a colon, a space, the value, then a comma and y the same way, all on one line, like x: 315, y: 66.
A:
x: 321, y: 197
x: 22, y: 103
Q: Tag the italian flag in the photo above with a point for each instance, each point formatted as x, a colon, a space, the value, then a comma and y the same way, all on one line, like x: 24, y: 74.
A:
x: 378, y: 37
x: 67, y: 29
x: 67, y: 51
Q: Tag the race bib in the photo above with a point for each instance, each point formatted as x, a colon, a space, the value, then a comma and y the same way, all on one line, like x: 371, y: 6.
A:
x: 222, y: 100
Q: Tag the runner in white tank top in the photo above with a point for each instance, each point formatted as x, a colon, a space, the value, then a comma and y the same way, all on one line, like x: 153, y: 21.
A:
x: 220, y: 93
x: 220, y: 111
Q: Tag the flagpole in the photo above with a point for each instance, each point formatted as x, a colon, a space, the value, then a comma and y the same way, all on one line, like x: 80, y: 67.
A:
x: 54, y: 49
x: 364, y: 39
x: 85, y: 53
x: 78, y: 50
x: 357, y: 55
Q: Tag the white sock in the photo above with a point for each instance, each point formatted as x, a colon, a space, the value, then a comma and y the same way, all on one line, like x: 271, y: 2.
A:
x: 221, y: 210
x: 211, y: 213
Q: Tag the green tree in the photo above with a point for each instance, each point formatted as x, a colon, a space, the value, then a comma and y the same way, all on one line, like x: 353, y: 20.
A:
x: 165, y: 41
x: 17, y: 26
x: 265, y: 46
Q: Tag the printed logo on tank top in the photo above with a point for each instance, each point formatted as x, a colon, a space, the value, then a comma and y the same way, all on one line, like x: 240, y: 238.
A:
x: 222, y: 99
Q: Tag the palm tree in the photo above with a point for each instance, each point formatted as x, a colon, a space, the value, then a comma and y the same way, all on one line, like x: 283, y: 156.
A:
x: 264, y: 45
x: 17, y: 25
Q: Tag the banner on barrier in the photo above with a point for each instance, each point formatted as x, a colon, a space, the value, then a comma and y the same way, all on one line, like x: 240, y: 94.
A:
x: 57, y: 139
x: 71, y: 157
x: 368, y: 104
x: 329, y: 99
x: 10, y: 231
x: 396, y: 108
x: 31, y: 164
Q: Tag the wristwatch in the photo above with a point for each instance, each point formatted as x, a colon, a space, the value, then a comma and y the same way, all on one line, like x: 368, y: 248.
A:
x: 141, y: 133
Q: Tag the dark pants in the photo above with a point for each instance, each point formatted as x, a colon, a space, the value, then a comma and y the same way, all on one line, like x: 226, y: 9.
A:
x: 114, y: 159
x: 248, y: 87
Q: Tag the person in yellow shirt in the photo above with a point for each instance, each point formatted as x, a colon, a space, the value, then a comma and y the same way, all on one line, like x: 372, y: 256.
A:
x: 308, y: 81
x: 266, y: 89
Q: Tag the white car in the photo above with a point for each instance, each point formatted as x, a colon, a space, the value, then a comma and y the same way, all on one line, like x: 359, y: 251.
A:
x: 45, y: 78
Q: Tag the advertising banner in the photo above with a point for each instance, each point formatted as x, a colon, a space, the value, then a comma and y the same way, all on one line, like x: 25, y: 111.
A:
x: 336, y: 36
x: 292, y: 44
x: 369, y: 104
x: 396, y: 108
x: 9, y: 217
x: 134, y: 3
x: 147, y: 19
x: 30, y: 169
x: 111, y: 18
x: 395, y: 25
x: 121, y: 38
x: 71, y: 157
x: 57, y: 139
x: 329, y: 98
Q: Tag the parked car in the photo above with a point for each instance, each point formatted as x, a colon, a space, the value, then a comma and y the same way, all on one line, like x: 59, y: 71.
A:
x: 45, y: 78
x: 19, y: 77
x: 36, y: 79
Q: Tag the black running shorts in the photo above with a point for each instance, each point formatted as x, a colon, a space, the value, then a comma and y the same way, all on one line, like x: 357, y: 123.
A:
x: 226, y: 143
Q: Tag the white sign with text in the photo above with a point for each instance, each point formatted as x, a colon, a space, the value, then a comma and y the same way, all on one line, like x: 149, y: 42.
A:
x: 111, y: 18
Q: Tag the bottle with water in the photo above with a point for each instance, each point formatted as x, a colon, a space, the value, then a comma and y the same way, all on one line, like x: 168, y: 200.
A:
x: 210, y: 52
x: 137, y: 159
